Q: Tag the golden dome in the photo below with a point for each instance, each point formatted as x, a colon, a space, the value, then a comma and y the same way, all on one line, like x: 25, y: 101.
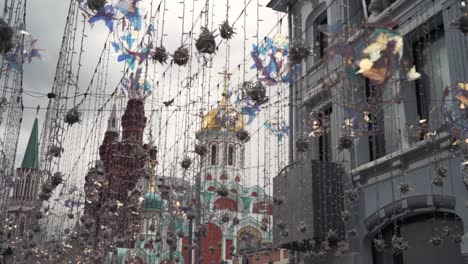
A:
x: 234, y: 119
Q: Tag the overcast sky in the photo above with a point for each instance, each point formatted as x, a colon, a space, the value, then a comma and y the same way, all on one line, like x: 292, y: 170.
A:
x: 46, y: 21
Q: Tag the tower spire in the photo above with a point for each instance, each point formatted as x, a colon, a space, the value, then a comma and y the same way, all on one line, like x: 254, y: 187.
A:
x: 31, y: 155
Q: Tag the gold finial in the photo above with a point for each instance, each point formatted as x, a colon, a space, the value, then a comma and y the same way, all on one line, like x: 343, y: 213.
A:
x: 153, y: 164
x: 226, y: 76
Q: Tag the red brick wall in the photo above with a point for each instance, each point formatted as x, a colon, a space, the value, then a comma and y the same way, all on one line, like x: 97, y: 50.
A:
x: 228, y: 249
x: 225, y: 203
x: 213, y: 238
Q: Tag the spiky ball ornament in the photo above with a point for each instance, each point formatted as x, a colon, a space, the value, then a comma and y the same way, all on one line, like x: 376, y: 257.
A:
x: 278, y: 200
x: 462, y: 23
x: 442, y: 171
x: 185, y: 163
x: 438, y: 181
x: 298, y: 51
x: 222, y: 191
x: 206, y: 42
x: 56, y: 179
x: 399, y: 245
x: 404, y: 188
x: 160, y: 55
x: 352, y: 195
x: 181, y: 56
x: 436, y: 241
x: 6, y: 37
x: 201, y: 150
x: 256, y: 92
x: 225, y: 217
x: 54, y: 151
x: 302, y: 145
x: 191, y: 215
x: 96, y: 5
x: 379, y: 244
x: 73, y: 116
x: 226, y: 31
x: 243, y: 135
x: 345, y: 142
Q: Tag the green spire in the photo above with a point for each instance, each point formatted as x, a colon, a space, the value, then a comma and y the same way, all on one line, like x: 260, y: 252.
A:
x: 31, y: 156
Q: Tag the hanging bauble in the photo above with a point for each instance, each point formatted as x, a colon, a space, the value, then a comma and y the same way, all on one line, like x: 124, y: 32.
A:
x: 96, y: 5
x: 73, y: 116
x: 264, y: 227
x: 202, y: 230
x: 56, y: 179
x: 54, y: 151
x: 404, y: 188
x: 206, y: 42
x: 302, y: 227
x: 302, y: 144
x: 6, y: 37
x: 332, y: 238
x: 436, y: 241
x: 438, y: 181
x: 181, y: 56
x: 176, y: 259
x: 226, y: 31
x: 345, y: 142
x: 71, y: 215
x: 346, y: 215
x: 212, y: 248
x: 160, y: 55
x: 243, y: 135
x: 191, y: 215
x: 298, y: 51
x: 462, y: 24
x: 225, y: 217
x: 399, y: 245
x: 352, y: 195
x: 442, y: 171
x: 201, y: 150
x: 153, y: 153
x: 185, y: 163
x: 235, y: 220
x: 256, y: 92
x: 44, y: 196
x: 222, y: 191
x: 281, y: 224
x: 457, y: 239
x: 278, y: 200
x: 379, y: 244
x: 180, y: 234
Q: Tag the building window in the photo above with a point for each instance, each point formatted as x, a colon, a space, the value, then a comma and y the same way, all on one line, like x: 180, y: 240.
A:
x: 214, y: 154
x: 231, y: 155
x: 324, y: 140
x: 320, y: 38
x: 376, y: 126
x: 431, y: 61
x: 315, y: 38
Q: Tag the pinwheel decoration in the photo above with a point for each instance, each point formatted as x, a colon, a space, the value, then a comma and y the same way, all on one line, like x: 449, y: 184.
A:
x: 278, y: 128
x: 271, y: 60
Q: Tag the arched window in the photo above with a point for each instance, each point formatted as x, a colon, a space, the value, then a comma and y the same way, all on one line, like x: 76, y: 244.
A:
x: 231, y: 155
x: 214, y: 158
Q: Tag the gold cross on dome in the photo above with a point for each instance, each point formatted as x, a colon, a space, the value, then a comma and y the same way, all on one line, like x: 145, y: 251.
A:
x: 226, y: 76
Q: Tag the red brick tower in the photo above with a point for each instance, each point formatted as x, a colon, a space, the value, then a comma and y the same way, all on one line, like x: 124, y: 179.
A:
x: 122, y: 161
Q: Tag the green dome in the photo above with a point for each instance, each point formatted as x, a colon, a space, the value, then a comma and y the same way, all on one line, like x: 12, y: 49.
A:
x: 153, y: 201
